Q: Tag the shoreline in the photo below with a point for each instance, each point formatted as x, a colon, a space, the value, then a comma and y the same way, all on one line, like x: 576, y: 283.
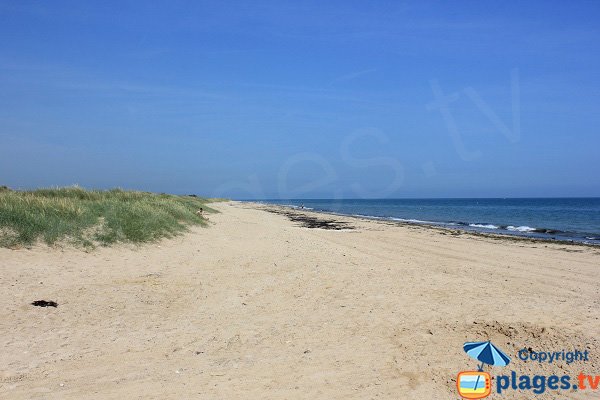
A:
x: 260, y: 306
x: 452, y: 230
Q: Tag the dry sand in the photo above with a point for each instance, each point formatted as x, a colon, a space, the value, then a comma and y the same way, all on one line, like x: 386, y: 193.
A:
x: 257, y: 307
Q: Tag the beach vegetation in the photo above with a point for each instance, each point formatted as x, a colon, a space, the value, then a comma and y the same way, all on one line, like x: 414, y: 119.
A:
x: 95, y: 217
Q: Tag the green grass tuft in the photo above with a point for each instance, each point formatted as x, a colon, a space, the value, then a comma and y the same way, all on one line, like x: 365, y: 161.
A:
x: 91, y: 217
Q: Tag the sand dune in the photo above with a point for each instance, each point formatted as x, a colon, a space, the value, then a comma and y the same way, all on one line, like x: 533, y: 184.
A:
x: 258, y: 306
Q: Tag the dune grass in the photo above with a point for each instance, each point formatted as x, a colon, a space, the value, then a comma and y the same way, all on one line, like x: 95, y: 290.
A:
x: 93, y: 217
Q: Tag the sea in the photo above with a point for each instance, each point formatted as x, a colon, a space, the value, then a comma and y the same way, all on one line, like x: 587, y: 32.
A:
x: 565, y: 219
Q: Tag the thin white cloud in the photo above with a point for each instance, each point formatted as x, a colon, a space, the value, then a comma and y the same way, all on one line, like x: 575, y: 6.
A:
x: 352, y: 75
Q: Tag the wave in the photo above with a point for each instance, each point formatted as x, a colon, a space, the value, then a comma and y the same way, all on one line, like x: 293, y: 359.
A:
x: 525, y: 228
x: 367, y: 216
x: 460, y: 223
x: 414, y: 221
x: 485, y: 226
x: 520, y: 228
x: 410, y: 220
x: 479, y: 225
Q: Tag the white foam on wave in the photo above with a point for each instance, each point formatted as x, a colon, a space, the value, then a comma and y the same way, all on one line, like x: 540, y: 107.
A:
x: 287, y: 205
x: 520, y: 228
x: 414, y: 221
x: 367, y: 216
x: 486, y: 226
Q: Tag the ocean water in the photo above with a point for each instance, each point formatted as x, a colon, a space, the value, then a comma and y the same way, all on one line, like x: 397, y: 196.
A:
x: 574, y: 219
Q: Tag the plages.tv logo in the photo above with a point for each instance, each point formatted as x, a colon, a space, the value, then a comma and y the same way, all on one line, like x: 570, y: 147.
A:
x: 478, y: 384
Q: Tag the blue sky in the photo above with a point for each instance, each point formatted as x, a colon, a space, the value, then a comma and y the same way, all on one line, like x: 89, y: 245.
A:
x: 275, y: 99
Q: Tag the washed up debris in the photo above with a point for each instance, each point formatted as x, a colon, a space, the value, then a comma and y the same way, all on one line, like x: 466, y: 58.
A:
x: 44, y: 303
x: 308, y: 221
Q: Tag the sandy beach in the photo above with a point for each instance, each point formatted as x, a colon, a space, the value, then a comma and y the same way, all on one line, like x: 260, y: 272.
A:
x: 257, y: 306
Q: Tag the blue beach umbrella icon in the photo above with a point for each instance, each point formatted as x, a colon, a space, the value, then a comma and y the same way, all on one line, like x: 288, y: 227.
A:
x: 487, y: 353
